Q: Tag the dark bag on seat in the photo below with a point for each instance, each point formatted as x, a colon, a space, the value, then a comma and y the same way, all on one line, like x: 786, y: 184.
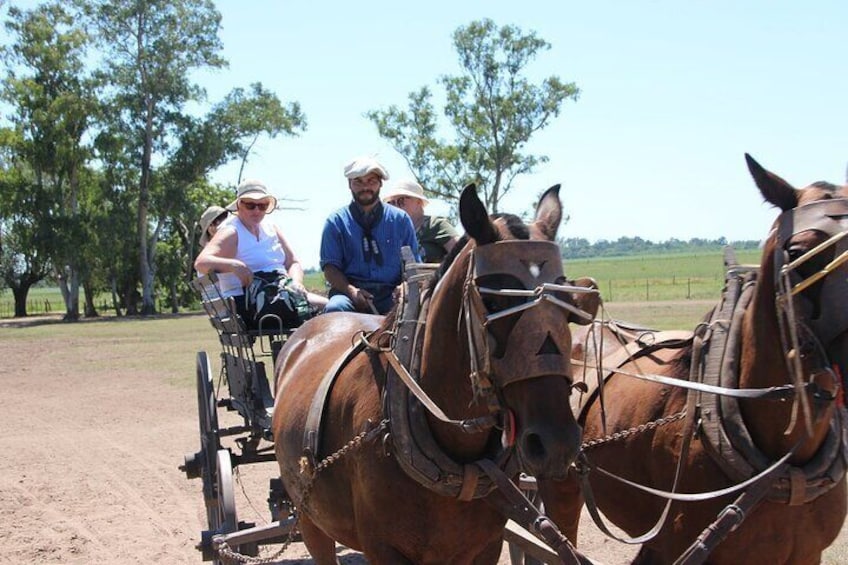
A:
x: 271, y: 293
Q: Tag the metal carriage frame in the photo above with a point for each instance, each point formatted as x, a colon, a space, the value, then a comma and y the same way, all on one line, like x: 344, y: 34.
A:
x: 243, y: 388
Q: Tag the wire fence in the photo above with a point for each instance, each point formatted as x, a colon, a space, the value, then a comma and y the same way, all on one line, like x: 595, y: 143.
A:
x: 612, y: 290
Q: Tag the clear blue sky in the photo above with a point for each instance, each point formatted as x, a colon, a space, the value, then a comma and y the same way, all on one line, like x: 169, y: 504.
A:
x: 672, y: 95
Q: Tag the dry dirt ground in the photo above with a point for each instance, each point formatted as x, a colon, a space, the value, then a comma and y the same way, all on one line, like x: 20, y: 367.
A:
x: 92, y: 440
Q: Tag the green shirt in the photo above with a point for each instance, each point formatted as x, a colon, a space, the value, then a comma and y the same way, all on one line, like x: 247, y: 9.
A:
x: 433, y: 234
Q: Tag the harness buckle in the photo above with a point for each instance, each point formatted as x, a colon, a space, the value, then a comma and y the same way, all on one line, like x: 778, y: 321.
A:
x: 733, y: 512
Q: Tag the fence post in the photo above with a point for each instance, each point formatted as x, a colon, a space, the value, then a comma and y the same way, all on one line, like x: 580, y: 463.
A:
x: 647, y: 290
x: 609, y: 284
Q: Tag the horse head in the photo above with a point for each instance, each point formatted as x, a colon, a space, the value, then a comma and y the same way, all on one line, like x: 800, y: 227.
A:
x: 504, y: 293
x: 804, y: 290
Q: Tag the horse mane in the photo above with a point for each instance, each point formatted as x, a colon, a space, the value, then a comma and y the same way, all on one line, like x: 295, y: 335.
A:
x: 824, y: 185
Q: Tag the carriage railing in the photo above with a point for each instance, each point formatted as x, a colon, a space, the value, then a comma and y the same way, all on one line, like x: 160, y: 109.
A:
x: 247, y: 381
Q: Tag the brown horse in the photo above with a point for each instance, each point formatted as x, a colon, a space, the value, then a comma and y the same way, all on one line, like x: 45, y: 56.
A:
x: 788, y: 330
x: 491, y: 353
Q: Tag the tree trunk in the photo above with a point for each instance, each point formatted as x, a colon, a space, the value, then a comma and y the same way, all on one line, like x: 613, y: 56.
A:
x: 20, y: 293
x: 116, y: 303
x: 90, y: 309
x: 148, y: 304
x: 175, y: 301
x: 72, y: 311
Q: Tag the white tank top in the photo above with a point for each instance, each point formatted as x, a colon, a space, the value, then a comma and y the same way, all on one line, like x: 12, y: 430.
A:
x: 264, y: 253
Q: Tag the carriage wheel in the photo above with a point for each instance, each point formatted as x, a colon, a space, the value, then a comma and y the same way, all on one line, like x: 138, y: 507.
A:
x: 223, y: 519
x: 210, y: 440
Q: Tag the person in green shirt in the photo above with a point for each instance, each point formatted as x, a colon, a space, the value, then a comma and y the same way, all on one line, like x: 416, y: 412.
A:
x: 436, y: 235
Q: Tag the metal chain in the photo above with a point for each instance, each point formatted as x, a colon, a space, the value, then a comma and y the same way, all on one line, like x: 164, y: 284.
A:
x: 223, y: 549
x: 633, y: 431
x: 354, y: 443
x: 229, y: 555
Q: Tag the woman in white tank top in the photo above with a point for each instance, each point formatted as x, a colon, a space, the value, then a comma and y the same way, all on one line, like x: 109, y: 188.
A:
x: 246, y: 243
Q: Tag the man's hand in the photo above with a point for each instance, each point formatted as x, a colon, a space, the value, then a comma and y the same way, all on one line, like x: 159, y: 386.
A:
x: 362, y: 300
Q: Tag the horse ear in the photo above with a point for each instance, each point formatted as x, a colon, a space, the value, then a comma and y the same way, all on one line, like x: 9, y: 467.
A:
x: 549, y: 212
x: 773, y: 188
x: 589, y: 302
x: 474, y: 218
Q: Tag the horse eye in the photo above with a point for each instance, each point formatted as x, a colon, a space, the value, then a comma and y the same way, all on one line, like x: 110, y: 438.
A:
x: 795, y: 251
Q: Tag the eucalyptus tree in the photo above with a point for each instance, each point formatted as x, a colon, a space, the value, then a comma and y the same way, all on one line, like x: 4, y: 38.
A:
x: 52, y: 100
x: 151, y: 47
x: 492, y: 108
x: 24, y: 259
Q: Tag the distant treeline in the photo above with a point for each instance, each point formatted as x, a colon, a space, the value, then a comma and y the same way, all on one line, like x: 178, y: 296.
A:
x: 581, y: 248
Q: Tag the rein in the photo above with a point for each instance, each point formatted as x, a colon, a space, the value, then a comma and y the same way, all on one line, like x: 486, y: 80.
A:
x: 722, y: 430
x: 405, y: 401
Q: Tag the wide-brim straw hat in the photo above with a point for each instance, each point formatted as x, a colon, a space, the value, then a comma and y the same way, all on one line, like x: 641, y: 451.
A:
x: 209, y: 215
x: 252, y: 189
x: 407, y: 188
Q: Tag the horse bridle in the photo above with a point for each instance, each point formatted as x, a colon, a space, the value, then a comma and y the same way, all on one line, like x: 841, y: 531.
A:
x: 831, y: 218
x: 532, y: 350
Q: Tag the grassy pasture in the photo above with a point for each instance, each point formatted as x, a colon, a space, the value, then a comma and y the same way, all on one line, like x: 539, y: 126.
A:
x: 657, y: 278
x: 648, y: 278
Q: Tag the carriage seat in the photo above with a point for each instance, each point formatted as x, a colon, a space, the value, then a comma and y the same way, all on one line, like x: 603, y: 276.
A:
x: 224, y: 313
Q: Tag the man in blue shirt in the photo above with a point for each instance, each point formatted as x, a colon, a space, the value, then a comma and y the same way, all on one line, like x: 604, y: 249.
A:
x: 361, y: 243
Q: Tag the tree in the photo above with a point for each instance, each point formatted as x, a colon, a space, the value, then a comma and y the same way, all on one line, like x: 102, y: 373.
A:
x: 493, y: 109
x: 242, y: 117
x: 24, y: 256
x: 53, y: 100
x: 151, y: 48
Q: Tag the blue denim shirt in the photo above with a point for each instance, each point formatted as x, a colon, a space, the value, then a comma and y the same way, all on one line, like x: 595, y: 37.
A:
x: 341, y: 246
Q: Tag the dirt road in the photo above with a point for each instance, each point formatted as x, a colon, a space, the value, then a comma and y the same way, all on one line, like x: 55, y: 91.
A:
x: 92, y: 435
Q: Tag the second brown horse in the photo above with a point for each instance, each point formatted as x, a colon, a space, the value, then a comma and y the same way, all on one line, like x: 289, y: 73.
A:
x: 789, y: 331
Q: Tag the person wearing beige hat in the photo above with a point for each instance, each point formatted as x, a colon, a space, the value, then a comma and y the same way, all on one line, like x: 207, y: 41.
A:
x: 211, y: 218
x: 250, y: 245
x: 361, y: 244
x: 436, y: 235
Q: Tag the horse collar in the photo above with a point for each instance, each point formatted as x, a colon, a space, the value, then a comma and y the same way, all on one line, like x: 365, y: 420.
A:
x: 722, y: 427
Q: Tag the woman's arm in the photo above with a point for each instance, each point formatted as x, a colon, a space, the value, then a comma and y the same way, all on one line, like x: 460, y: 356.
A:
x: 219, y: 256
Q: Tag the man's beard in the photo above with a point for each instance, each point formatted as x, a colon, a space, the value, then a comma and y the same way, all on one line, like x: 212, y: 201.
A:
x: 366, y: 197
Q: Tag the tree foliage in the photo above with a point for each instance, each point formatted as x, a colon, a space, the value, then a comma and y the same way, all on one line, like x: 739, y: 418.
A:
x: 492, y: 108
x: 53, y: 102
x: 582, y: 248
x: 102, y: 165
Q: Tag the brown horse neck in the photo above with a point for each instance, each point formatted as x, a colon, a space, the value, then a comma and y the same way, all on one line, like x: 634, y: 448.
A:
x: 763, y: 364
x: 445, y: 373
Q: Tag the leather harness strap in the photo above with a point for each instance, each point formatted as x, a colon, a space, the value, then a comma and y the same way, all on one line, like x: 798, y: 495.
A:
x: 312, y: 431
x: 512, y: 503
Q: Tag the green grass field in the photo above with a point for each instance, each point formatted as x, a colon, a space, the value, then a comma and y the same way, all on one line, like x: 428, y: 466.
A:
x: 650, y: 278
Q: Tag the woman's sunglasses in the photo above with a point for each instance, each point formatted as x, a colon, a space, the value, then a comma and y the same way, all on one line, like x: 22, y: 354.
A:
x: 247, y: 205
x: 397, y: 201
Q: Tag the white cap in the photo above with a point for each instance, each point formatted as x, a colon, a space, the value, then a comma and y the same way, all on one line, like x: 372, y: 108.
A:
x: 361, y: 166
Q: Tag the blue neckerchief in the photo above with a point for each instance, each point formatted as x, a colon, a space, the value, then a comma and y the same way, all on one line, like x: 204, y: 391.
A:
x: 367, y: 221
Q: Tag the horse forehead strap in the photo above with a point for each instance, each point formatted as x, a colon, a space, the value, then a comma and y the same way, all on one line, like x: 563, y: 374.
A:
x: 831, y: 218
x: 828, y: 216
x: 540, y: 342
x: 530, y: 261
x: 539, y: 345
